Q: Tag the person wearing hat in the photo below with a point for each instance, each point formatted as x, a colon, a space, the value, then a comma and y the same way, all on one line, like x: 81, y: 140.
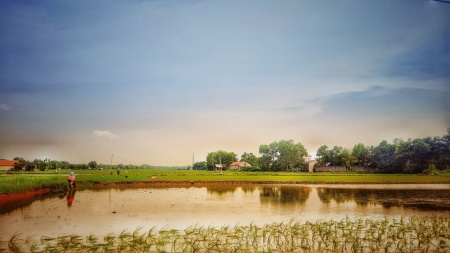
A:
x: 71, y: 179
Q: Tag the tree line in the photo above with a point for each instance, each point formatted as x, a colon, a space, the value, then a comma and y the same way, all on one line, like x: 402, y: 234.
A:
x: 48, y: 164
x: 423, y: 155
x: 429, y: 155
x: 277, y: 156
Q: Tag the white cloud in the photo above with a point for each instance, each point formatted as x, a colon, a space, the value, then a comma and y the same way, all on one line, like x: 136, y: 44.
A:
x: 103, y: 133
x: 4, y: 107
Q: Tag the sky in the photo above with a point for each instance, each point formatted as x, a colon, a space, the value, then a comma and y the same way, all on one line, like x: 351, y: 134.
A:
x: 166, y: 82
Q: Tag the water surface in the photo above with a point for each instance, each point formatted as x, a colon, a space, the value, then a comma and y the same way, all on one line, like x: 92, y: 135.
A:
x: 101, y: 212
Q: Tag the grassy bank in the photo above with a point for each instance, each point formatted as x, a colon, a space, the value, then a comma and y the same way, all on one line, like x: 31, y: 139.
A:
x: 25, y: 182
x: 18, y: 182
x: 424, y: 234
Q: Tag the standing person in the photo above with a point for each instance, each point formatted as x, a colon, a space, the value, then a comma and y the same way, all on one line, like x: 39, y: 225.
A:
x: 71, y: 179
x: 118, y: 170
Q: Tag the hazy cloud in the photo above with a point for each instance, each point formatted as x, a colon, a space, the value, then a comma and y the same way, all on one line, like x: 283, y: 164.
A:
x: 103, y: 133
x: 4, y: 107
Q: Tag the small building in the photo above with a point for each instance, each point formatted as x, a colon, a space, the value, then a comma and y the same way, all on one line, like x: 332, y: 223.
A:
x: 218, y: 166
x: 239, y: 165
x: 309, y: 165
x: 7, y: 164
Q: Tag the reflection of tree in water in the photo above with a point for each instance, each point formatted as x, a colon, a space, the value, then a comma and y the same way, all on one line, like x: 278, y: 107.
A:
x: 284, y: 195
x: 410, y: 198
x: 222, y: 190
x: 340, y: 195
x: 249, y: 189
x: 418, y: 199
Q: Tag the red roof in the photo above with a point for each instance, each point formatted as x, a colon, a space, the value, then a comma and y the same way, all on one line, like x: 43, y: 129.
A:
x: 8, y: 163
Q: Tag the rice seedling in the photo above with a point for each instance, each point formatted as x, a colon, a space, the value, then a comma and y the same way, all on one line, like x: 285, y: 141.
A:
x: 413, y: 234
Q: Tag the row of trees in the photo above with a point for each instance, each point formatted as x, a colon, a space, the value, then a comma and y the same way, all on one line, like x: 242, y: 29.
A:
x: 48, y: 164
x: 428, y: 155
x: 276, y: 156
x: 39, y: 164
x: 411, y: 156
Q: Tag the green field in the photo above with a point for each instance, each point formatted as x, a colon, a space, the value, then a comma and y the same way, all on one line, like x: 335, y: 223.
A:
x: 23, y: 181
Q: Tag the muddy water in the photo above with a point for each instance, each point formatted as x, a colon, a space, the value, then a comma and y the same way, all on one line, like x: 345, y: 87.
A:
x: 101, y: 212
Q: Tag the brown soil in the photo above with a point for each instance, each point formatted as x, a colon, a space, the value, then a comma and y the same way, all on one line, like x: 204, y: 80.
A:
x: 9, y: 201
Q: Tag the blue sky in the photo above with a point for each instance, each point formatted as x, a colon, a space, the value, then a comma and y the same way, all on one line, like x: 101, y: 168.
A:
x: 153, y: 82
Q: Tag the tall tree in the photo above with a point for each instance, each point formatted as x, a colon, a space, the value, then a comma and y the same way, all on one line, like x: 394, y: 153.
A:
x: 440, y: 152
x: 92, y: 164
x: 40, y: 165
x: 265, y: 162
x: 284, y: 155
x: 268, y: 158
x: 291, y: 155
x: 336, y: 156
x: 362, y: 154
x: 322, y: 155
x: 53, y: 165
x: 348, y: 159
x: 250, y: 158
x: 223, y: 157
x: 384, y: 157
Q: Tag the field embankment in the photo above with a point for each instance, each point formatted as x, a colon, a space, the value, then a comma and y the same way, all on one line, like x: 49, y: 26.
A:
x: 57, y: 181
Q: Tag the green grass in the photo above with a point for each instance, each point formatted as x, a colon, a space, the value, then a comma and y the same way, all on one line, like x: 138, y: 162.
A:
x: 20, y: 183
x: 416, y: 234
x: 17, y: 182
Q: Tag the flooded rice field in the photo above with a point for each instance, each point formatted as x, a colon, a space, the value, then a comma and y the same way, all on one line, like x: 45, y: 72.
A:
x: 100, y: 212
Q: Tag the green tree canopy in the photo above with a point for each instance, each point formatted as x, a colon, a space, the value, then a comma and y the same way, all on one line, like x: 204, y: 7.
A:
x: 348, y: 159
x: 322, y: 155
x: 362, y: 154
x: 223, y: 157
x: 384, y: 157
x: 282, y: 155
x: 250, y: 158
x: 92, y: 164
x: 200, y: 166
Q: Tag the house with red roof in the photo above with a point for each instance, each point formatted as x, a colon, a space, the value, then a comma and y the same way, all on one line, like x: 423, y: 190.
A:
x: 7, y: 164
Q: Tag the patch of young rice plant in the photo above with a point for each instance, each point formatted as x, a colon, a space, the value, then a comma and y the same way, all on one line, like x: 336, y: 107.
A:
x: 415, y: 234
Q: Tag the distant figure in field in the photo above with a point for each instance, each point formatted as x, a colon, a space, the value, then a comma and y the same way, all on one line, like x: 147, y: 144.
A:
x: 118, y: 170
x: 71, y: 180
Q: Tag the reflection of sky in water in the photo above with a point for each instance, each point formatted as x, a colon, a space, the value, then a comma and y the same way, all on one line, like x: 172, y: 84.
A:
x: 112, y: 210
